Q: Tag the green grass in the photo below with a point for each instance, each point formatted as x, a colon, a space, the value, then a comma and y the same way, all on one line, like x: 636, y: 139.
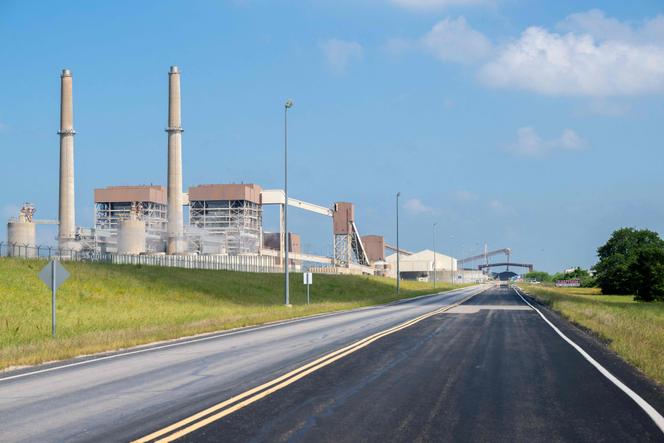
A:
x: 105, y: 307
x: 634, y: 330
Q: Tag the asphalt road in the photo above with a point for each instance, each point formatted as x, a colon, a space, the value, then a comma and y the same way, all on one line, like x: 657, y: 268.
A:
x: 128, y: 395
x: 489, y: 370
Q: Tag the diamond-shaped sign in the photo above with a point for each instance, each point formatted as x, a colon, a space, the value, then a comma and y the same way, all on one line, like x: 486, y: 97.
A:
x: 53, y: 269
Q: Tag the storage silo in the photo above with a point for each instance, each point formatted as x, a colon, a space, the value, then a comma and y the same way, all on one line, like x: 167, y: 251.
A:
x: 22, y: 234
x: 131, y: 237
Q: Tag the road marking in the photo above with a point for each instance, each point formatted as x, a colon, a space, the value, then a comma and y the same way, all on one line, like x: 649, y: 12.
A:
x: 213, y: 335
x: 644, y: 405
x: 220, y: 410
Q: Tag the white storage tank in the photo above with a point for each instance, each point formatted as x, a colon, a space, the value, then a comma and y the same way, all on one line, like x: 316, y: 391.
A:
x: 21, y: 236
x: 131, y: 237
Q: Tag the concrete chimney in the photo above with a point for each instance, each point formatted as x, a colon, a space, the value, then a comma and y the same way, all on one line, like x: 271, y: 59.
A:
x: 175, y: 232
x: 66, y: 209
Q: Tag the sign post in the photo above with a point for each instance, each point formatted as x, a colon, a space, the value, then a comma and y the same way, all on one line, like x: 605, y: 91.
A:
x: 53, y: 275
x: 308, y: 280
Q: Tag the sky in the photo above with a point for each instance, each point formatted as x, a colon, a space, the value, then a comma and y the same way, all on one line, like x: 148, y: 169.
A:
x: 527, y: 124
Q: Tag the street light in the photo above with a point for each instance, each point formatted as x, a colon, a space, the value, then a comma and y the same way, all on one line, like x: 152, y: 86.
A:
x: 287, y: 106
x: 398, y: 250
x: 434, y: 254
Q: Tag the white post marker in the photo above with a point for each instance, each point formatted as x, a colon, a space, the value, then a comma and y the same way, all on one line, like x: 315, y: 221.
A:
x: 308, y: 280
x: 53, y: 275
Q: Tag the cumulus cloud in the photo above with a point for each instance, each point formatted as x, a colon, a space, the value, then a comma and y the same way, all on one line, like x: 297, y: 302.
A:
x: 340, y: 53
x: 449, y: 40
x: 417, y: 207
x: 425, y: 5
x: 586, y: 54
x: 454, y: 41
x: 576, y: 64
x: 530, y: 144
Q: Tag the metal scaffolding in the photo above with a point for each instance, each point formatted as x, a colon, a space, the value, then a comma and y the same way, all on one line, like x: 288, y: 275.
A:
x: 238, y: 222
x: 109, y: 214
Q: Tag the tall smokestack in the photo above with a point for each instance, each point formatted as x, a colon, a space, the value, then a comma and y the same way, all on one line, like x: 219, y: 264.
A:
x: 66, y: 209
x: 175, y: 224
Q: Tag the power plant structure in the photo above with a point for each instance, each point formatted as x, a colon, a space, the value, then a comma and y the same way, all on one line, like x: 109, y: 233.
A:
x: 224, y: 220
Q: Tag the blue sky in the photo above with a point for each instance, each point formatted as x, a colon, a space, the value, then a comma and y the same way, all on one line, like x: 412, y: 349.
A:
x: 528, y: 124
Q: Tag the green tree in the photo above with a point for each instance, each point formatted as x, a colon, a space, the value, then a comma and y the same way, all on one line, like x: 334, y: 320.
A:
x: 632, y: 262
x: 537, y: 275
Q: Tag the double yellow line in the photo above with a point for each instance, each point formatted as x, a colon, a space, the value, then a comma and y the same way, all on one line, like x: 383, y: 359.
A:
x: 227, y: 407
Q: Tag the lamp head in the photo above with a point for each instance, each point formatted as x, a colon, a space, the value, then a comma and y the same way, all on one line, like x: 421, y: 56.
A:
x: 288, y: 104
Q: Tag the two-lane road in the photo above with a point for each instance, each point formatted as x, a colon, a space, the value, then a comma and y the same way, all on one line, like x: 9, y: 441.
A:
x: 131, y: 394
x: 489, y: 369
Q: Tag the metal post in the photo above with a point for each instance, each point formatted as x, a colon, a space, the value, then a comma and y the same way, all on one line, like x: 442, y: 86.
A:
x: 434, y: 254
x: 308, y: 293
x: 287, y: 105
x: 53, y: 289
x: 398, y: 249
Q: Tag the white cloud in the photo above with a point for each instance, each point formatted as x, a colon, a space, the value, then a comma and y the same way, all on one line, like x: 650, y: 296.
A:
x: 340, y: 53
x: 530, y: 144
x: 449, y: 40
x: 454, y: 41
x: 417, y: 207
x: 597, y: 56
x: 425, y: 5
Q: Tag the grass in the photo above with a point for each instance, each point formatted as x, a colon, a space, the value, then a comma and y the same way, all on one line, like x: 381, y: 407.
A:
x: 105, y: 307
x: 634, y: 330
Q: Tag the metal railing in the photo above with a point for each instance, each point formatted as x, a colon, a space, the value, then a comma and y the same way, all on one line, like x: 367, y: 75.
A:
x: 240, y: 263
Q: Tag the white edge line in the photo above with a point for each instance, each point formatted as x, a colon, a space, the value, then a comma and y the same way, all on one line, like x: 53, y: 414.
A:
x: 647, y: 407
x: 221, y: 334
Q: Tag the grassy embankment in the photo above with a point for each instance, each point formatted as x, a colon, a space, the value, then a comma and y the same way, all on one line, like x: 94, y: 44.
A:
x: 104, y: 307
x: 634, y: 330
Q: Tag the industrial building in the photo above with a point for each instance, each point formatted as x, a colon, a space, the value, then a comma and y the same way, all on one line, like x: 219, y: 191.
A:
x: 224, y: 220
x: 114, y: 204
x: 232, y: 212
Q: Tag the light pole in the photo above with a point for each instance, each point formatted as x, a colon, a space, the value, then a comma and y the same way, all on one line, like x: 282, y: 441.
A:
x: 287, y: 106
x: 434, y: 254
x: 398, y: 250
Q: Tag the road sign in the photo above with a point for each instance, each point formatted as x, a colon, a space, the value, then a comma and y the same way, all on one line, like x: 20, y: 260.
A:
x: 308, y: 280
x: 53, y: 274
x: 48, y: 272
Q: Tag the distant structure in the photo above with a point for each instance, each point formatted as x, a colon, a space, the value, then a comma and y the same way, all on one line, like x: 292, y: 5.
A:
x: 175, y: 241
x: 66, y: 207
x: 225, y: 221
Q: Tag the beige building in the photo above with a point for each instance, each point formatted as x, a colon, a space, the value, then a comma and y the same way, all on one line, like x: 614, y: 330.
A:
x: 420, y: 265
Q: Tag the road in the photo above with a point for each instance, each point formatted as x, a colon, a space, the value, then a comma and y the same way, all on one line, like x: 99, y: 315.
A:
x: 129, y: 395
x: 490, y: 369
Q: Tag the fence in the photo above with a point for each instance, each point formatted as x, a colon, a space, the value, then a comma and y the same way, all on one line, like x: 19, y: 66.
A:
x: 241, y: 263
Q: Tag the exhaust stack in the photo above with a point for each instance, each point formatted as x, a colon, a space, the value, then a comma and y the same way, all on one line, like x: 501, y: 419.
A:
x: 175, y: 240
x: 66, y: 208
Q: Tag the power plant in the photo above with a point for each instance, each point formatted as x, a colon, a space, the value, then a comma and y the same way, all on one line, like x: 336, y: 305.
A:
x: 225, y: 221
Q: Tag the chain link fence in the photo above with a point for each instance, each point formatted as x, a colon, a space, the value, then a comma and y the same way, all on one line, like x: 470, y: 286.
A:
x: 241, y: 263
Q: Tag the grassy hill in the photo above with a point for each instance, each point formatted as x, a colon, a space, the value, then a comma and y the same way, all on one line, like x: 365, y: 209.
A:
x: 104, y: 307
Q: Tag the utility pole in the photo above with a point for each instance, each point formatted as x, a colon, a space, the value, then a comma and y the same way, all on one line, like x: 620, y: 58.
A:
x: 398, y: 249
x: 287, y: 106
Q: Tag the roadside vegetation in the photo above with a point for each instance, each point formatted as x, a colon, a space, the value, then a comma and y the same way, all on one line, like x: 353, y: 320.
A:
x: 632, y: 329
x: 105, y: 307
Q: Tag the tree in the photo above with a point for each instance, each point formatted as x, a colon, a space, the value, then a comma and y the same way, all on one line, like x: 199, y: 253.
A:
x: 632, y: 262
x: 587, y: 280
x: 649, y: 266
x: 538, y: 276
